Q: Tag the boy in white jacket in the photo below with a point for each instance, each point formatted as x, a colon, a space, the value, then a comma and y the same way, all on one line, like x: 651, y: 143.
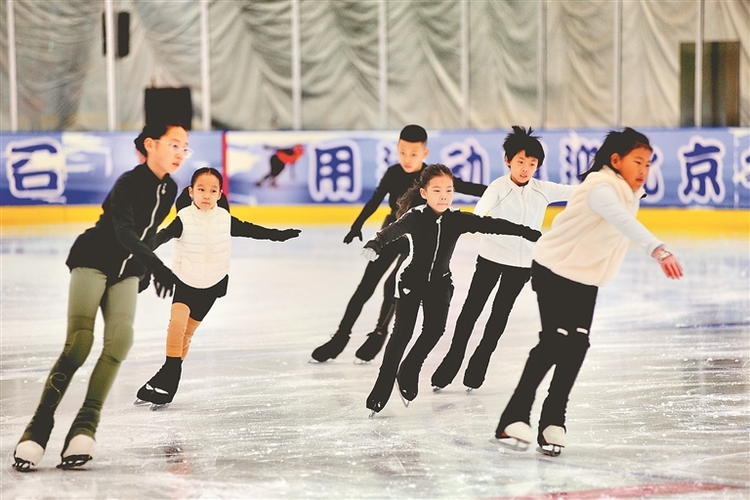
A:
x: 521, y: 199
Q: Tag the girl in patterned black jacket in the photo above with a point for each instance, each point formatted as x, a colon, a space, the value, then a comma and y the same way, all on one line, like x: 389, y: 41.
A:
x: 106, y: 263
x: 433, y: 230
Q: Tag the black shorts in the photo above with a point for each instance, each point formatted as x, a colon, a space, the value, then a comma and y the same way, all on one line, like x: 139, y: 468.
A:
x: 199, y: 300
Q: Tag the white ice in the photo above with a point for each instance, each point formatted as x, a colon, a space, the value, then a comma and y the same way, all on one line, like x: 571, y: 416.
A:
x: 661, y: 408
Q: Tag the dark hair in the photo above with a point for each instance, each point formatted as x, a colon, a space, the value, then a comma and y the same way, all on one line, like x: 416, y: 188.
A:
x: 206, y: 170
x: 153, y: 131
x: 522, y: 140
x: 412, y: 197
x: 621, y: 143
x: 413, y: 133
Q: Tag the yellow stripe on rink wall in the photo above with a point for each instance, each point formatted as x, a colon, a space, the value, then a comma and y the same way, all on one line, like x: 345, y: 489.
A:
x: 701, y: 222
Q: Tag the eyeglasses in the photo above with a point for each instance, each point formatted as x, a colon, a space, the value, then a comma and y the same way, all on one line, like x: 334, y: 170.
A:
x: 177, y: 149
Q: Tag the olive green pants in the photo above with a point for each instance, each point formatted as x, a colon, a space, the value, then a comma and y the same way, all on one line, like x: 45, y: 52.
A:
x: 88, y: 292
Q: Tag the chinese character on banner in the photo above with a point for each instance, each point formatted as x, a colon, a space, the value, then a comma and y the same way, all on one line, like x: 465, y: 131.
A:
x: 335, y: 171
x: 36, y: 169
x: 468, y: 160
x: 386, y: 155
x: 701, y: 165
x: 576, y: 154
x: 654, y: 186
x: 742, y: 175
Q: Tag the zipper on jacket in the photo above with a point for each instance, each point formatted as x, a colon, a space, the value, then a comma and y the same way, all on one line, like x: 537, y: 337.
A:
x: 437, y: 247
x: 163, y: 190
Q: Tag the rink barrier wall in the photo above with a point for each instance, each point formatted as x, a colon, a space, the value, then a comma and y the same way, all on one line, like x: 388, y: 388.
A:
x: 691, y: 221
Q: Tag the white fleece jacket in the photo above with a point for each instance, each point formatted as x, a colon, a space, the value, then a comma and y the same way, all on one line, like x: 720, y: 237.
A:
x: 589, y: 238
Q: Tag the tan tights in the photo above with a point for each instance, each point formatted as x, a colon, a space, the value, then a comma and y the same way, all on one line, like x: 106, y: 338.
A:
x: 180, y: 331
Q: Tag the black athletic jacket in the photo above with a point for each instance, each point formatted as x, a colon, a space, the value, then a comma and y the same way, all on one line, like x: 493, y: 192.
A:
x: 433, y: 239
x: 120, y: 243
x: 396, y: 182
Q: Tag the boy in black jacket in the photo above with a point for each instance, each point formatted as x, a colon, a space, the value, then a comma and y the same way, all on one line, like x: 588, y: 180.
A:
x: 106, y: 264
x: 412, y: 151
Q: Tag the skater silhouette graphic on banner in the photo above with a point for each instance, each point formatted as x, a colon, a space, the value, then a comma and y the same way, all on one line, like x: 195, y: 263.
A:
x: 279, y: 160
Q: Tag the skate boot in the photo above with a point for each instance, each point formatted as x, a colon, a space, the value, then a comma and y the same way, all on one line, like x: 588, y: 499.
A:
x: 378, y: 397
x: 27, y: 455
x: 408, y: 384
x: 476, y: 371
x: 552, y: 440
x: 331, y: 349
x: 33, y: 442
x: 161, y: 389
x: 372, y: 345
x: 30, y: 449
x: 516, y: 436
x: 78, y: 451
x: 446, y: 371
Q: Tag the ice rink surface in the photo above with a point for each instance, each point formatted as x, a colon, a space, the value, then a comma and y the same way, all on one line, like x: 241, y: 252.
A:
x: 661, y: 408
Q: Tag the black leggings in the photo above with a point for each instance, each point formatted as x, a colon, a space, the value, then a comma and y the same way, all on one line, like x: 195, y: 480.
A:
x: 435, y: 300
x: 486, y: 276
x: 398, y: 250
x: 566, y: 309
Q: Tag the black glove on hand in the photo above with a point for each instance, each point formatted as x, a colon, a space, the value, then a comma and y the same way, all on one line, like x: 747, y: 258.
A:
x: 286, y: 234
x: 354, y: 232
x: 143, y: 283
x: 164, y: 281
x: 530, y: 234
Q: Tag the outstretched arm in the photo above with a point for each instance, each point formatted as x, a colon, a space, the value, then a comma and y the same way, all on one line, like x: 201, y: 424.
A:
x: 495, y: 225
x: 389, y: 234
x: 603, y: 200
x: 250, y: 230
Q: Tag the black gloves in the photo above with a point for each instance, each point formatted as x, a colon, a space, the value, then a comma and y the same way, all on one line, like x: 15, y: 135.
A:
x: 164, y: 280
x: 354, y: 232
x: 286, y: 234
x: 530, y: 234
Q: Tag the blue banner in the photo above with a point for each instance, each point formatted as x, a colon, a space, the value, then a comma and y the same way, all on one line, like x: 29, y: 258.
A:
x: 690, y: 167
x: 79, y: 168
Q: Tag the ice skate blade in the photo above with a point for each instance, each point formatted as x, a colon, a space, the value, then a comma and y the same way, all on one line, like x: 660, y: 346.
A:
x: 74, y: 461
x: 141, y: 402
x: 22, y: 465
x: 372, y: 414
x: 359, y: 361
x: 158, y: 407
x: 316, y: 362
x: 551, y: 450
x: 404, y: 400
x: 436, y: 389
x: 469, y: 390
x: 511, y: 443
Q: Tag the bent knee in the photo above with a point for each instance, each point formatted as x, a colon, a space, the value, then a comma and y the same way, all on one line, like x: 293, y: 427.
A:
x: 117, y: 342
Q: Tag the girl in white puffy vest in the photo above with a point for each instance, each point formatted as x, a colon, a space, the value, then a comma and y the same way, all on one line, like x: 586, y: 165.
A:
x: 202, y: 232
x: 582, y: 251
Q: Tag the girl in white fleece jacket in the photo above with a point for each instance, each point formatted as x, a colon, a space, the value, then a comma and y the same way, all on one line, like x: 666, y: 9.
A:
x: 582, y: 251
x: 519, y: 198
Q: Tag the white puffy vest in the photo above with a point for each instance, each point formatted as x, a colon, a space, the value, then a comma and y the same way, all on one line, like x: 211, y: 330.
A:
x: 581, y: 245
x: 200, y: 256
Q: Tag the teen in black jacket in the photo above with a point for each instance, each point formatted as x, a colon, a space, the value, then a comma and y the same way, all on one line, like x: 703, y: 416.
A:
x: 106, y: 263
